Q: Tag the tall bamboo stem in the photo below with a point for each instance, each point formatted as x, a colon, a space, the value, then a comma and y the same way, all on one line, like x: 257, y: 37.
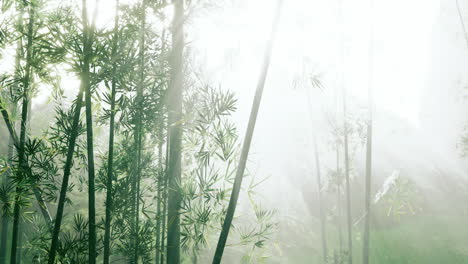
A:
x: 110, y: 157
x: 22, y: 140
x: 366, y: 242
x: 247, y: 141
x: 175, y: 138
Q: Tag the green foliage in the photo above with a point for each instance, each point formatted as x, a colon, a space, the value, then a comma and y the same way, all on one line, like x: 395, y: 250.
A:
x: 402, y: 199
x: 210, y: 139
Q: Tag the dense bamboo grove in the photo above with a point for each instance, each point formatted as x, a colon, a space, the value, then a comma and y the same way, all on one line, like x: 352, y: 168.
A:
x: 138, y: 69
x: 121, y: 141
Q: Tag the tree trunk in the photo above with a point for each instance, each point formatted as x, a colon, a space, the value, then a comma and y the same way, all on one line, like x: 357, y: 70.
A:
x: 15, y: 143
x: 66, y: 176
x: 159, y: 217
x: 11, y: 143
x: 164, y: 203
x: 367, y: 192
x: 321, y: 206
x: 20, y: 241
x: 175, y: 131
x: 84, y: 85
x: 85, y: 79
x: 365, y: 258
x: 21, y: 226
x: 319, y: 185
x: 338, y: 201
x: 161, y: 179
x: 348, y: 187
x: 21, y: 155
x: 5, y: 219
x: 158, y: 223
x: 346, y: 146
x: 139, y: 131
x: 164, y: 218
x: 3, y: 240
x: 247, y: 141
x: 110, y: 158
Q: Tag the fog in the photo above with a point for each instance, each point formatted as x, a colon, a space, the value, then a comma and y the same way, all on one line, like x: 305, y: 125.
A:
x: 418, y: 78
x: 412, y: 54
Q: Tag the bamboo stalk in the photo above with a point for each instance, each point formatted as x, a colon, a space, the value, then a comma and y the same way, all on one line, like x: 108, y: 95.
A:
x: 22, y: 139
x: 85, y: 78
x: 87, y: 38
x: 247, y: 141
x: 366, y: 242
x: 175, y: 135
x: 110, y: 157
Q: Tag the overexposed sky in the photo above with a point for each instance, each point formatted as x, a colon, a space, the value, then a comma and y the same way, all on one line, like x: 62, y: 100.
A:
x: 232, y: 40
x: 229, y: 42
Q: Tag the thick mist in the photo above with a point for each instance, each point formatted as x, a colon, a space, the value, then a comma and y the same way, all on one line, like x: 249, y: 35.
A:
x: 418, y: 81
x: 412, y: 55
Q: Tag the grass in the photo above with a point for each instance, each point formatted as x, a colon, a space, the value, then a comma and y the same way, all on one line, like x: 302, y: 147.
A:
x: 423, y: 239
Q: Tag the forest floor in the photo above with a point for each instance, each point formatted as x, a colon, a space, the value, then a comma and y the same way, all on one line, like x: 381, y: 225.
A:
x: 423, y: 239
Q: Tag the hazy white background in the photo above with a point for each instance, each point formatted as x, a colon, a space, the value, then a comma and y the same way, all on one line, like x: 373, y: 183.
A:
x: 419, y: 76
x: 420, y: 60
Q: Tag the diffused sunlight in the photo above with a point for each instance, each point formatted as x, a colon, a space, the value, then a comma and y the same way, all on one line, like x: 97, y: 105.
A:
x: 138, y: 148
x: 232, y: 40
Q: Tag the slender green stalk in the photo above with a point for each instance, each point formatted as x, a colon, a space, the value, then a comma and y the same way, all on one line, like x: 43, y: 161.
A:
x: 85, y: 79
x: 160, y: 213
x: 346, y: 146
x: 365, y: 258
x: 3, y: 241
x: 20, y: 241
x: 66, y: 177
x: 84, y: 85
x: 110, y: 158
x: 319, y: 191
x: 139, y: 129
x: 319, y: 187
x: 348, y: 187
x: 14, y: 142
x: 164, y: 202
x: 21, y: 151
x: 8, y: 124
x: 163, y: 167
x: 5, y: 218
x: 175, y: 137
x: 321, y: 206
x: 158, y: 205
x: 338, y: 201
x: 247, y: 141
x: 161, y: 180
x: 164, y: 219
x: 21, y: 222
x: 368, y: 192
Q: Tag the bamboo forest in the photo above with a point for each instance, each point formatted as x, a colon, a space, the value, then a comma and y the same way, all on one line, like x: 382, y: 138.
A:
x: 233, y: 131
